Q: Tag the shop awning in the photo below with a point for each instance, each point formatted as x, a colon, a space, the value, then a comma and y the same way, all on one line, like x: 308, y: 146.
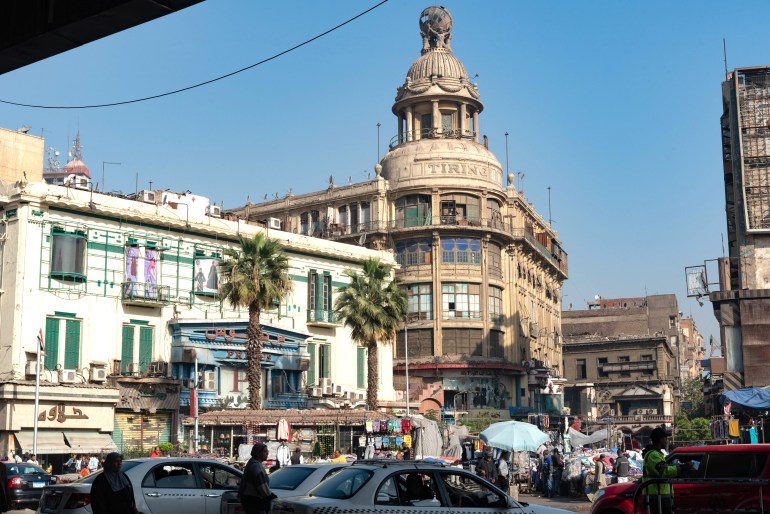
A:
x: 89, y: 442
x: 48, y: 442
x: 752, y: 397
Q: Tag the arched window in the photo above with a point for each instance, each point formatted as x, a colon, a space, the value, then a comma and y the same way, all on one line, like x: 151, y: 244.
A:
x: 461, y: 251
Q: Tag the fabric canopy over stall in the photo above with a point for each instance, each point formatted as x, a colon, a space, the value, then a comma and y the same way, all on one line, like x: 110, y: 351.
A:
x: 89, y: 442
x: 48, y: 442
x: 579, y: 439
x: 751, y: 397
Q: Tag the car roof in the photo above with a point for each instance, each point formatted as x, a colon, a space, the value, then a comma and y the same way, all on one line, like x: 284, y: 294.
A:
x: 177, y: 459
x: 395, y: 463
x: 725, y: 448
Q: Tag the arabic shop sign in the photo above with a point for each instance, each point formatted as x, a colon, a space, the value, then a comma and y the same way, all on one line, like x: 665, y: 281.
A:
x: 230, y: 335
x: 58, y: 413
x: 240, y: 356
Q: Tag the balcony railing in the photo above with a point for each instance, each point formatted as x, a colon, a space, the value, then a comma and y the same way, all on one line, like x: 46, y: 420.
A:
x: 146, y: 292
x: 322, y: 316
x: 550, y: 251
x: 431, y: 133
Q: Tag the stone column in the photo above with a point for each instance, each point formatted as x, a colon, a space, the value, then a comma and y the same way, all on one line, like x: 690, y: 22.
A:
x: 436, y: 117
x: 484, y: 293
x: 437, y: 303
x: 400, y: 128
x: 409, y: 124
x: 476, y: 125
x: 463, y: 114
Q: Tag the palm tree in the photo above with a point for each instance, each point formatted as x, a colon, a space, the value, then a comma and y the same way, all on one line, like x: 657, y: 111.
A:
x: 254, y: 276
x: 373, y: 309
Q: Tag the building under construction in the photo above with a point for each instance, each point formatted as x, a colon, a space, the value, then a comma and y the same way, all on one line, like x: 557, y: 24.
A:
x: 742, y: 303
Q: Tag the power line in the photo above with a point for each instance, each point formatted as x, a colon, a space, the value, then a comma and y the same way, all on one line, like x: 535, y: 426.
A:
x: 153, y: 97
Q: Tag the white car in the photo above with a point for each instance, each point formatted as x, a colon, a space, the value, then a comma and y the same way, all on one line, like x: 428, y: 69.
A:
x: 405, y: 487
x: 161, y: 486
x: 298, y: 479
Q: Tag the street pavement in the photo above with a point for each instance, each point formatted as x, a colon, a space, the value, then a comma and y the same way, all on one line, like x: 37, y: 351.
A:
x: 559, y: 502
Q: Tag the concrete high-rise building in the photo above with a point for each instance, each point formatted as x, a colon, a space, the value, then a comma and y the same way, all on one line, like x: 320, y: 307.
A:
x: 742, y: 299
x: 482, y: 269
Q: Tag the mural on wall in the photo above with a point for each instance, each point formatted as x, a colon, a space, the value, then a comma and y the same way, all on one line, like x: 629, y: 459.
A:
x: 206, y: 278
x: 141, y: 272
x: 483, y: 392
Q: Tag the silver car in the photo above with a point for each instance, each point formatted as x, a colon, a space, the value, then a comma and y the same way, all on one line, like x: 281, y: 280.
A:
x: 297, y: 480
x: 161, y: 486
x: 405, y: 487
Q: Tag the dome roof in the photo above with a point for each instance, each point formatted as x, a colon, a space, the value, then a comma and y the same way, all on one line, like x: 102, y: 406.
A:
x: 78, y: 167
x: 439, y: 63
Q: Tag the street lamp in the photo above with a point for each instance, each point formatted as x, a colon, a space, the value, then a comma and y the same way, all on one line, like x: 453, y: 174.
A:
x: 406, y: 359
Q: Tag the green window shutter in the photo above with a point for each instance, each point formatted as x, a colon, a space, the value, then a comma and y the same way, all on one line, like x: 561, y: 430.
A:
x: 327, y: 299
x: 327, y: 358
x: 312, y: 290
x: 127, y: 351
x: 145, y: 348
x: 72, y: 345
x: 361, y: 360
x: 51, y: 343
x: 311, y: 379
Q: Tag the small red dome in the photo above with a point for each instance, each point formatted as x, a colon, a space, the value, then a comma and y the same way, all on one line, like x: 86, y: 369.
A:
x: 77, y: 167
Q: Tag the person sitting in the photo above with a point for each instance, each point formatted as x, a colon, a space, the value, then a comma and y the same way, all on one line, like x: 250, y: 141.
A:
x: 417, y: 490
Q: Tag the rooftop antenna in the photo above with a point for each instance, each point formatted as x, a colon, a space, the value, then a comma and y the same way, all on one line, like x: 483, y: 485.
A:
x: 521, y: 176
x: 506, y: 153
x: 550, y: 221
x: 724, y: 53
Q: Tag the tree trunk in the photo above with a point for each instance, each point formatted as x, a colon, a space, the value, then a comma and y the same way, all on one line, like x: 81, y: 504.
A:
x: 254, y: 358
x: 373, y: 377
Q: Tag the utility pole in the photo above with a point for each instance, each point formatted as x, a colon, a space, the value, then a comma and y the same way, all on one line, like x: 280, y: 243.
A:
x: 378, y: 141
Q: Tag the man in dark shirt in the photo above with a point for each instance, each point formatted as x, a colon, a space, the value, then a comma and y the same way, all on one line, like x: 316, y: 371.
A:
x: 486, y: 467
x: 558, y: 469
x: 621, y: 468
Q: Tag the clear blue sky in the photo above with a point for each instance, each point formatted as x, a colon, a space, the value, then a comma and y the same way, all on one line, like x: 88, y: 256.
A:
x: 614, y: 105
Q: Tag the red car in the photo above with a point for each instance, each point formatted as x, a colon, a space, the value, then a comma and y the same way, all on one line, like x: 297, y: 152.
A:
x: 737, y: 462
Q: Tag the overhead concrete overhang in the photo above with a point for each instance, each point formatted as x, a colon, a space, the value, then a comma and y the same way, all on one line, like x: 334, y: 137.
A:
x: 33, y: 30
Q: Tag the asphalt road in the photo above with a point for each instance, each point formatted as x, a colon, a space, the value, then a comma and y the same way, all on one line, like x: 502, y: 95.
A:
x: 560, y: 502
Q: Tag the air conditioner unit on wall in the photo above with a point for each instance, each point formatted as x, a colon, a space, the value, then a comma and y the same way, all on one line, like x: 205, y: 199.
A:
x: 209, y: 380
x: 337, y: 390
x: 68, y: 376
x: 316, y: 392
x: 215, y: 211
x: 31, y: 368
x: 147, y: 196
x: 326, y: 383
x: 158, y: 369
x: 274, y: 223
x: 98, y: 374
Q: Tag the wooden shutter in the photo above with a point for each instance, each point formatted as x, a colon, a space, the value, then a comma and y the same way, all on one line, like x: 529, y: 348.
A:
x: 127, y: 349
x: 361, y: 365
x: 72, y: 345
x: 145, y: 348
x: 51, y: 343
x: 311, y: 375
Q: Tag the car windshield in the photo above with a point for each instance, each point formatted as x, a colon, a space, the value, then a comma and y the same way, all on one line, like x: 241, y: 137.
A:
x: 23, y: 469
x: 289, y: 478
x: 343, y: 485
x: 90, y: 478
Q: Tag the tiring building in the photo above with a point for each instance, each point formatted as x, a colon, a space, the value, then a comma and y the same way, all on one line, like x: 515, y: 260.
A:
x: 482, y: 269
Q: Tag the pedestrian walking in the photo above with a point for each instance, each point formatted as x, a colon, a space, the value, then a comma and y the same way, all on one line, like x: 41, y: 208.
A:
x: 93, y: 464
x: 297, y: 457
x: 558, y: 471
x: 254, y: 493
x: 111, y: 492
x: 486, y: 467
x: 600, y: 478
x: 547, y: 476
x: 503, y: 472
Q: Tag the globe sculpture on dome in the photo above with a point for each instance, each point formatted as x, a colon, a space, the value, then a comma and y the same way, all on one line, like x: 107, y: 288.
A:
x: 435, y: 28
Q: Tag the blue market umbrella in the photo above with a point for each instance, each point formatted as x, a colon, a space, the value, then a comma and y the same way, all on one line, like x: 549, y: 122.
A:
x: 514, y: 436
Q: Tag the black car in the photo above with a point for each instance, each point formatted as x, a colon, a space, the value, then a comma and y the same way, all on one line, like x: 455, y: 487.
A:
x: 24, y: 484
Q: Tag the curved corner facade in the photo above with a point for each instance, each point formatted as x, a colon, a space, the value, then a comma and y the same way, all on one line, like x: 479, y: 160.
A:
x: 482, y: 269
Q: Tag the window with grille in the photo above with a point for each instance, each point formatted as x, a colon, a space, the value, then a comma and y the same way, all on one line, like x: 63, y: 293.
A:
x: 319, y: 299
x: 413, y: 252
x: 462, y: 341
x: 461, y: 251
x: 460, y: 301
x: 413, y: 211
x: 303, y: 224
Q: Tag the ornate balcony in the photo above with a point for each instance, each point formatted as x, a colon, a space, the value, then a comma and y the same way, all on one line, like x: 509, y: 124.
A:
x: 430, y: 133
x: 322, y: 317
x: 145, y: 293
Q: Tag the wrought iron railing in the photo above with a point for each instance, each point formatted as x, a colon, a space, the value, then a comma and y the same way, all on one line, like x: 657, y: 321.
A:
x: 145, y: 292
x: 430, y: 133
x: 322, y: 316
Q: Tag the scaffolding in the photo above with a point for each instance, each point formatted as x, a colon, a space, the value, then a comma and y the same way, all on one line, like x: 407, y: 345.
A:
x: 754, y: 116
